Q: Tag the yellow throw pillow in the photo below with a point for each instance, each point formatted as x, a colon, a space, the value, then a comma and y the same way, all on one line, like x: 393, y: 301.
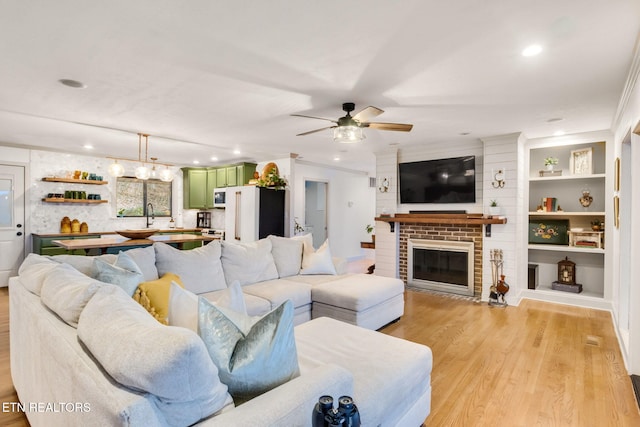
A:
x: 154, y: 296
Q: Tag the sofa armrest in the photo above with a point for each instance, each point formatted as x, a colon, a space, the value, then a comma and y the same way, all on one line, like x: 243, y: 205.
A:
x: 289, y: 404
x: 340, y: 265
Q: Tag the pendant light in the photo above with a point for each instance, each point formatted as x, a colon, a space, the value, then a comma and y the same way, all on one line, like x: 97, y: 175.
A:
x: 116, y: 169
x: 142, y: 171
x: 166, y: 175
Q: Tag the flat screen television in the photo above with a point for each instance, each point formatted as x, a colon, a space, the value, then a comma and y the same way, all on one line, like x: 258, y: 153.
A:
x: 438, y: 181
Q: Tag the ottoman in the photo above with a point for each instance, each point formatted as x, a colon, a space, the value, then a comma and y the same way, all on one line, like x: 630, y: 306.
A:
x: 391, y: 376
x: 364, y: 300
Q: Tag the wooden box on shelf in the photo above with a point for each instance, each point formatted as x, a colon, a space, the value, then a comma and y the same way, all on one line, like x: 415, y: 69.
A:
x: 586, y: 239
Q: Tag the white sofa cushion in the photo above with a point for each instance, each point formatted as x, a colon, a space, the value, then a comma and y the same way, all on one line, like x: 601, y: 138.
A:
x: 287, y: 255
x: 66, y: 291
x: 33, y: 270
x: 84, y: 264
x: 250, y: 362
x: 357, y: 292
x: 248, y: 262
x: 124, y: 272
x: 145, y: 259
x: 279, y: 290
x: 317, y: 262
x: 199, y: 269
x: 137, y: 351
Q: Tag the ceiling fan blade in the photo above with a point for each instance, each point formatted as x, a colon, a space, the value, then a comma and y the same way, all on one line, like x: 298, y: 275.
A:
x: 311, y: 117
x: 389, y: 126
x: 317, y: 130
x: 367, y: 114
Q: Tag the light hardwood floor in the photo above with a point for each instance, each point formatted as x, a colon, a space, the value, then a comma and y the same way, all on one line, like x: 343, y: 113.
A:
x: 538, y: 364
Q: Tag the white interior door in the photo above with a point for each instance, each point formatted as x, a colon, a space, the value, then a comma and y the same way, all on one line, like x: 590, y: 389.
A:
x: 12, y: 237
x: 315, y: 210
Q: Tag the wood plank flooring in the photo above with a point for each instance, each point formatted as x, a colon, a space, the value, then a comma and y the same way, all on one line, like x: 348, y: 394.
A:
x: 538, y: 364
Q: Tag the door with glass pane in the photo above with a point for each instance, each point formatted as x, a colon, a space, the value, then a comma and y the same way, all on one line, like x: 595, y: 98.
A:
x: 12, y: 199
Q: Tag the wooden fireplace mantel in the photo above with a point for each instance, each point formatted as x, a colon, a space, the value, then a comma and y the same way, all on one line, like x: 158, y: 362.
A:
x: 466, y: 219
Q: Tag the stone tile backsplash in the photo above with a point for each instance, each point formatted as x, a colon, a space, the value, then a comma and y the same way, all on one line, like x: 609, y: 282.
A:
x: 45, y: 217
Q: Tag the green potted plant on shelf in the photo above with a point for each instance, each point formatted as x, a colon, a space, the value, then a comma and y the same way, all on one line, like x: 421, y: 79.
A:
x: 272, y: 180
x: 550, y: 162
x: 494, y: 209
x: 369, y: 229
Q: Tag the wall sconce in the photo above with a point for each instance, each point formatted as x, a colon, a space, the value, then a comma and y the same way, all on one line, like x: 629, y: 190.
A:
x: 498, y: 179
x: 384, y: 185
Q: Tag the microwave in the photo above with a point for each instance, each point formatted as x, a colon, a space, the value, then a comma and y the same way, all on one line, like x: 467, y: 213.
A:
x: 219, y: 197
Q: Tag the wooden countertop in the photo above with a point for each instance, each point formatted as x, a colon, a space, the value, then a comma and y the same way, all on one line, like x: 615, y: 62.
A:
x: 119, y: 241
x: 169, y: 230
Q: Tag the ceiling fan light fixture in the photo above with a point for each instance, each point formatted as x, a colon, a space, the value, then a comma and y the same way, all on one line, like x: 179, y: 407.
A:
x: 348, y: 134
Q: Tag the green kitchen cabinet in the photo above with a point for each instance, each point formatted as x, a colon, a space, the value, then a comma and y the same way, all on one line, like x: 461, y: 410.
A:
x: 232, y: 177
x: 221, y: 177
x: 212, y: 183
x: 194, y: 188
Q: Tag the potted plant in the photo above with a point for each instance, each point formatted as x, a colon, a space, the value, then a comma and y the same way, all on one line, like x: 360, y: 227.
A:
x: 273, y: 180
x: 596, y: 225
x: 369, y: 230
x: 549, y: 162
x: 494, y: 209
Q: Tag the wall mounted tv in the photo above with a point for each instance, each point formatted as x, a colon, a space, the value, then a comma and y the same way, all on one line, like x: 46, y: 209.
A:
x: 438, y: 181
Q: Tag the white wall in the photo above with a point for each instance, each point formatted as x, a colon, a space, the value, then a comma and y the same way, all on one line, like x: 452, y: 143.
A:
x: 502, y: 152
x: 627, y: 120
x: 350, y: 203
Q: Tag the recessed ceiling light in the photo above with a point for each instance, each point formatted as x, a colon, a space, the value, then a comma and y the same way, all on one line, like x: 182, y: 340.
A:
x: 88, y: 147
x: 532, y: 50
x: 555, y: 119
x: 558, y: 133
x: 73, y: 83
x: 196, y: 162
x: 336, y: 159
x: 214, y: 159
x: 236, y: 152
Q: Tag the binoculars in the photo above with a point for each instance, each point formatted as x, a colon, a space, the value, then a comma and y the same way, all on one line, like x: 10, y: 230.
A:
x: 345, y: 415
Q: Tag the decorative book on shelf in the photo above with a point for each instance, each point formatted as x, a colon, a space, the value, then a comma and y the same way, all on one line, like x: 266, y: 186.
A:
x: 549, y: 204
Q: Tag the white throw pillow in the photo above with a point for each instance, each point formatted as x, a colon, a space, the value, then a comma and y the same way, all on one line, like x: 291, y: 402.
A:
x: 248, y: 263
x: 318, y: 262
x: 33, y: 270
x: 287, y: 255
x: 254, y: 362
x: 183, y: 307
x: 306, y: 239
x: 172, y: 364
x: 199, y: 269
x: 124, y: 273
x: 66, y: 291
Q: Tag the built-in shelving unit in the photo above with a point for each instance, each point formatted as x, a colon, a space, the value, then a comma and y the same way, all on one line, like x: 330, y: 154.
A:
x: 567, y: 190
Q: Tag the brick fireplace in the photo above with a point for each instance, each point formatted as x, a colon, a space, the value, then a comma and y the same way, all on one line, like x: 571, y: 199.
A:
x: 447, y: 232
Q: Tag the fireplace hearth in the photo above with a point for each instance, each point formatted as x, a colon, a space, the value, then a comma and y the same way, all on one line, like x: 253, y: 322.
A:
x: 446, y: 266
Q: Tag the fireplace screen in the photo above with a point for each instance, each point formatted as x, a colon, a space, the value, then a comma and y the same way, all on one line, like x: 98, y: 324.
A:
x: 441, y: 266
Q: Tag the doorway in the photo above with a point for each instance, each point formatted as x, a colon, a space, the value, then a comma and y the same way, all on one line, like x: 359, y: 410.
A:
x: 12, y: 206
x: 315, y: 210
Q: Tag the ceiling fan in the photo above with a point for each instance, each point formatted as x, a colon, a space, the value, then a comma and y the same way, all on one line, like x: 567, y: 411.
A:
x: 349, y: 128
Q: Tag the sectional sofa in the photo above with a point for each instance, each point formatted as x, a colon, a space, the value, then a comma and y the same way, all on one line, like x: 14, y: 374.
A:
x: 86, y: 347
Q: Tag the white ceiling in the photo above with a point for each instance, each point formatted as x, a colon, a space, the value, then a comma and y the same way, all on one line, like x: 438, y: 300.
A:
x: 206, y: 77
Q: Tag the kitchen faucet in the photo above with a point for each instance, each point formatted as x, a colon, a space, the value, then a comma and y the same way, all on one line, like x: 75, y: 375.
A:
x: 153, y: 216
